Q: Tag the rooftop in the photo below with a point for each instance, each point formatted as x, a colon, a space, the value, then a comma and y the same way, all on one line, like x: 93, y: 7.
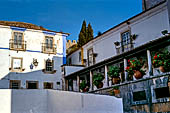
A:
x: 26, y: 25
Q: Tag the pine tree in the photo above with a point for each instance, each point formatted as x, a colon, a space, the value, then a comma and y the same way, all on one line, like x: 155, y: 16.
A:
x: 89, y: 33
x: 82, y: 35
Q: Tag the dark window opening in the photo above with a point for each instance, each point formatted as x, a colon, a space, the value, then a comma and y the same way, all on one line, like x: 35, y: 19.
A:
x: 58, y: 83
x: 162, y: 92
x: 48, y: 85
x: 32, y: 85
x: 138, y: 96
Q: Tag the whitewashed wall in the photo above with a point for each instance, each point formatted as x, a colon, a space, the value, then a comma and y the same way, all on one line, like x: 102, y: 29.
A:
x: 52, y: 101
x: 147, y: 26
x: 34, y: 39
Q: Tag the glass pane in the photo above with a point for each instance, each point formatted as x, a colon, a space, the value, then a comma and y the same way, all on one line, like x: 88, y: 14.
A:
x: 16, y: 63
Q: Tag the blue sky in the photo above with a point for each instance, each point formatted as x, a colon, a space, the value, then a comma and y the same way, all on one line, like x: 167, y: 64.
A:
x: 68, y: 15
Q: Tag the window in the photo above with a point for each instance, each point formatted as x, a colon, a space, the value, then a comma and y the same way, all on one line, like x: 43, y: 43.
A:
x: 15, y: 84
x: 32, y: 84
x: 139, y: 96
x: 49, y: 65
x: 126, y: 42
x: 49, y: 46
x: 48, y: 85
x: 91, y: 59
x: 162, y: 92
x: 17, y: 43
x: 49, y: 42
x: 80, y: 56
x: 16, y: 64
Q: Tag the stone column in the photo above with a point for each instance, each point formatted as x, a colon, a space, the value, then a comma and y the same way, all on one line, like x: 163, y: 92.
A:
x: 78, y: 83
x: 106, y: 77
x: 126, y: 73
x: 149, y: 63
x: 66, y: 85
x: 91, y: 81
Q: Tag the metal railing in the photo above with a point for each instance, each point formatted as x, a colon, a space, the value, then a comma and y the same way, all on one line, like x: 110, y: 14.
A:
x: 18, y: 45
x: 48, y: 48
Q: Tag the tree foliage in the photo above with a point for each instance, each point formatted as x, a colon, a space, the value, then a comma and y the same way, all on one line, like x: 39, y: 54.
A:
x: 85, y: 35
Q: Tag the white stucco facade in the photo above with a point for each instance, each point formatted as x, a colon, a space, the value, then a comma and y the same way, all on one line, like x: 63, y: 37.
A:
x: 147, y: 26
x: 34, y: 39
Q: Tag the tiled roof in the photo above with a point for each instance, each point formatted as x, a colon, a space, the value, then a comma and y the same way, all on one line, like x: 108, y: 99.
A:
x: 26, y: 25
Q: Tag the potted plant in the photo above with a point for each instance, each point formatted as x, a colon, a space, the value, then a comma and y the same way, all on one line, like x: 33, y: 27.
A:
x: 115, y: 91
x: 114, y: 74
x: 97, y: 80
x: 135, y: 67
x: 162, y: 60
x: 83, y: 86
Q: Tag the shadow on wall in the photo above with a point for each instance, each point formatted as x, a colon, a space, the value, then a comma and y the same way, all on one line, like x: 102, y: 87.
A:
x: 34, y: 75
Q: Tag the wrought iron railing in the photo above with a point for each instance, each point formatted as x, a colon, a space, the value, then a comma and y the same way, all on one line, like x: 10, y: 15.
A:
x: 49, y: 48
x: 19, y: 45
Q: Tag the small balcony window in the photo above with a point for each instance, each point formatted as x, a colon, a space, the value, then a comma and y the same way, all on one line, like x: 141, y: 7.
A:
x: 49, y: 47
x: 17, y: 43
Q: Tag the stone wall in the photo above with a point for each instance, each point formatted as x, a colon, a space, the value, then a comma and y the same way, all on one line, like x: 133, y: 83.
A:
x: 148, y: 95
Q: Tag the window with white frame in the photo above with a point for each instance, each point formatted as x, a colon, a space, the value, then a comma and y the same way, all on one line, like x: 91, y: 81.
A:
x: 16, y: 64
x: 49, y: 65
x: 126, y: 41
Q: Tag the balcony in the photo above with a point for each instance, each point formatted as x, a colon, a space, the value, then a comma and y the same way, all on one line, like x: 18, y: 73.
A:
x: 18, y: 45
x: 48, y: 48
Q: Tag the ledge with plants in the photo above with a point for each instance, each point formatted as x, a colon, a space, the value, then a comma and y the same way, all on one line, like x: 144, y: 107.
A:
x: 135, y: 68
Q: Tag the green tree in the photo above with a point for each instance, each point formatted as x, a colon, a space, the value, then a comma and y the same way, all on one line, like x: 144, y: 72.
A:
x: 82, y: 35
x: 89, y: 35
x: 85, y: 35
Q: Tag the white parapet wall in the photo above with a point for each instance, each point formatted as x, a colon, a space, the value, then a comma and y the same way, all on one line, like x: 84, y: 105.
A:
x: 53, y: 101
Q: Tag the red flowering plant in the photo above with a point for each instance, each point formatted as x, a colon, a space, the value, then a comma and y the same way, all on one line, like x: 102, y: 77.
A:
x: 162, y: 58
x: 135, y: 65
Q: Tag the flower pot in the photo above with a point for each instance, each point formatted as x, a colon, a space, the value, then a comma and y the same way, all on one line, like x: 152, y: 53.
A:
x: 100, y: 85
x: 161, y: 68
x: 116, y: 80
x: 116, y: 91
x: 138, y: 74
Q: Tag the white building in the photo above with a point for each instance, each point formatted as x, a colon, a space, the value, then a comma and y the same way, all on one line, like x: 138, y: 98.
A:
x: 31, y: 56
x: 132, y: 33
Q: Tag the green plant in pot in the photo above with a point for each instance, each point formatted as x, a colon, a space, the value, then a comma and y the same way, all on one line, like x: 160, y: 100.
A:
x: 115, y: 91
x: 97, y: 80
x: 83, y: 86
x: 114, y: 74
